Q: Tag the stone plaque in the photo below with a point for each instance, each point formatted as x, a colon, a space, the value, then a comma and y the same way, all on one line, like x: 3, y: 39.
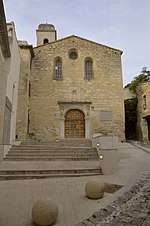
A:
x: 106, y: 115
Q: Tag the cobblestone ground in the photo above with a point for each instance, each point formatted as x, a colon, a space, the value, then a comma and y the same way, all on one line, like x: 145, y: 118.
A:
x: 130, y: 209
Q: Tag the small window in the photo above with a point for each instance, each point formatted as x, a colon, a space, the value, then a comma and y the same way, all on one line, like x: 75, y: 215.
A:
x: 144, y: 102
x: 45, y: 41
x: 58, y: 69
x: 88, y: 69
x: 73, y: 55
x: 29, y: 92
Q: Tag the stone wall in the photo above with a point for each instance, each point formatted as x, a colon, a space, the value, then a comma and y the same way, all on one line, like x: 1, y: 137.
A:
x: 23, y: 91
x: 104, y: 92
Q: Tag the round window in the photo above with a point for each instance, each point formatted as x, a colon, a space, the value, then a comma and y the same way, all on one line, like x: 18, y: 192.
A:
x: 73, y: 55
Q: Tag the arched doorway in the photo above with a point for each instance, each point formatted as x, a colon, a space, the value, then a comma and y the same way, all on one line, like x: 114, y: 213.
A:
x: 74, y: 124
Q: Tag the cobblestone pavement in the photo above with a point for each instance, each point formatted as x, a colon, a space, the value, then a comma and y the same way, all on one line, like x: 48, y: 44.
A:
x: 130, y: 209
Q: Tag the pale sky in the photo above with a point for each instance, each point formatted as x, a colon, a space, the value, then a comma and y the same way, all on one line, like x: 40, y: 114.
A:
x: 121, y: 24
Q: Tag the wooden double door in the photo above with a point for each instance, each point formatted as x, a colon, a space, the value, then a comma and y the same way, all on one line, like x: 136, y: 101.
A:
x: 74, y: 124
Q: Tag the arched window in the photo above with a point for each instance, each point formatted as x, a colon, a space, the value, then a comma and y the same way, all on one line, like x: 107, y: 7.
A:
x: 144, y: 102
x: 58, y: 69
x: 88, y: 69
x: 45, y: 41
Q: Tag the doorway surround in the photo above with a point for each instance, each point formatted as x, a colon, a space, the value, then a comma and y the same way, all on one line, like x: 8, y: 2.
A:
x: 64, y: 107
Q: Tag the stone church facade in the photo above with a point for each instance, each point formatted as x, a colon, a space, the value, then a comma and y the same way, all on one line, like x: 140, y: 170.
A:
x: 69, y: 88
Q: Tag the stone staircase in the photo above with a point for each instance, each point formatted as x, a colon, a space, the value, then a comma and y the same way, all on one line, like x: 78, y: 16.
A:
x: 71, y: 150
x: 31, y: 160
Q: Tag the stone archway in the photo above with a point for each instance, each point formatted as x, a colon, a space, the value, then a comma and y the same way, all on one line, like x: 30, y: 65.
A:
x: 84, y: 107
x: 74, y: 124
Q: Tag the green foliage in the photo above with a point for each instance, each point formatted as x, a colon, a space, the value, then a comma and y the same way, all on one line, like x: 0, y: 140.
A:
x: 144, y: 76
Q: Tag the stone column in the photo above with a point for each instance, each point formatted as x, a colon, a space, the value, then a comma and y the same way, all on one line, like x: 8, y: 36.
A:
x: 87, y: 127
x: 62, y: 132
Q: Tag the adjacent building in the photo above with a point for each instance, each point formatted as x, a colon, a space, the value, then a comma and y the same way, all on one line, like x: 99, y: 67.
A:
x: 143, y: 111
x: 9, y: 76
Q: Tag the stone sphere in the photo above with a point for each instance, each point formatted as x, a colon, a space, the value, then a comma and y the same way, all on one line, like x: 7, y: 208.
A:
x: 44, y: 211
x: 94, y: 189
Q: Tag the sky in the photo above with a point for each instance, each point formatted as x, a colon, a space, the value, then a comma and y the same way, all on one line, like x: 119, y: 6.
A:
x: 121, y: 24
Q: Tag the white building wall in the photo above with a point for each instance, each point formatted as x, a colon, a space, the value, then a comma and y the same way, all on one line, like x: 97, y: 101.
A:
x: 4, y: 71
x: 9, y: 77
x: 13, y: 77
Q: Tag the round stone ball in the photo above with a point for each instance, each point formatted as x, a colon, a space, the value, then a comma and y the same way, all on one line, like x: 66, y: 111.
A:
x: 94, y: 189
x: 44, y: 211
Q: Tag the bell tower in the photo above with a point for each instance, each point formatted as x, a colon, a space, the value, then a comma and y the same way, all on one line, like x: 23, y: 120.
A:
x: 46, y: 33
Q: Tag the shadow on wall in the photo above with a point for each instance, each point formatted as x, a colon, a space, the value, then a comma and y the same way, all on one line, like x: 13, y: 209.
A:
x: 131, y: 119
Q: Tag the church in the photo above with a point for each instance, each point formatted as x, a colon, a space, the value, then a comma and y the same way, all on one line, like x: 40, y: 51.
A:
x: 69, y: 88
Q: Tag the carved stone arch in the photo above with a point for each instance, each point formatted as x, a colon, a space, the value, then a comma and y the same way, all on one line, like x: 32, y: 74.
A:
x: 75, y: 108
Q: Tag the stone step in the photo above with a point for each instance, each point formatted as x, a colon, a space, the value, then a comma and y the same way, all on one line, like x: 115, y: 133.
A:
x: 51, y: 171
x: 48, y: 153
x: 40, y: 147
x: 41, y: 174
x: 51, y: 155
x: 44, y: 176
x: 54, y: 151
x: 71, y: 142
x: 47, y: 158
